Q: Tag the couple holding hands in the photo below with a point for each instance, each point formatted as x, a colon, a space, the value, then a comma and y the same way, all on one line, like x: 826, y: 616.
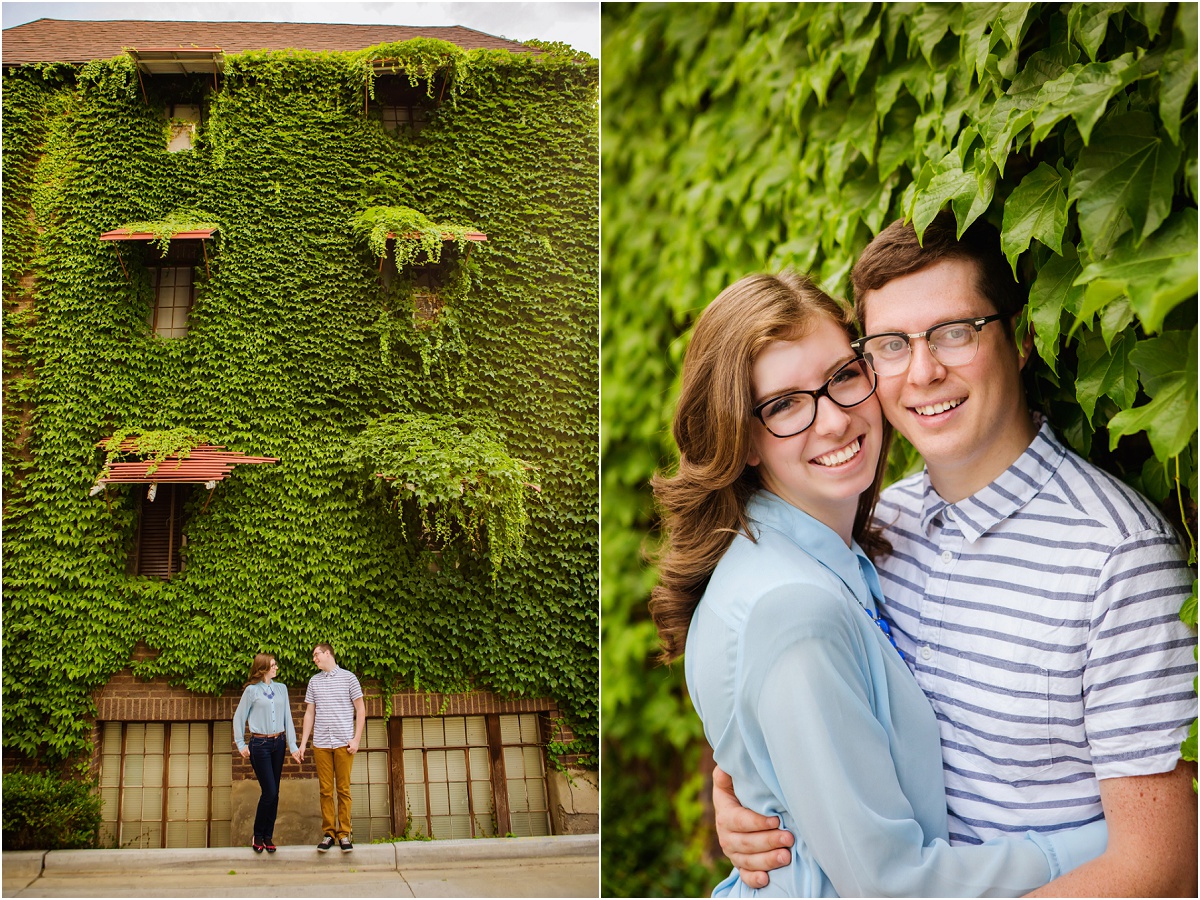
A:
x: 973, y: 684
x: 335, y: 718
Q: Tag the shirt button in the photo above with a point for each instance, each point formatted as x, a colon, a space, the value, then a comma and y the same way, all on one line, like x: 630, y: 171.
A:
x: 947, y: 556
x: 926, y: 653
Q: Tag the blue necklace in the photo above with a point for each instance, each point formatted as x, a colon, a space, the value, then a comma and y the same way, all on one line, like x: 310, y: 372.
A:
x: 884, y: 626
x: 269, y: 691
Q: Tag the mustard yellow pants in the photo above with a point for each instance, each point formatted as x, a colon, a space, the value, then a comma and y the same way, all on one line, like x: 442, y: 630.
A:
x: 331, y: 764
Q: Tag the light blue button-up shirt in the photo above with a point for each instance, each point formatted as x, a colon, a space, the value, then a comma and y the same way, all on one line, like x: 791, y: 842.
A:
x: 819, y: 721
x: 264, y: 714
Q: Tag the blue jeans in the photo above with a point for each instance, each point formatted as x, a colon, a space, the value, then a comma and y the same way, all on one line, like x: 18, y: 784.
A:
x: 266, y: 757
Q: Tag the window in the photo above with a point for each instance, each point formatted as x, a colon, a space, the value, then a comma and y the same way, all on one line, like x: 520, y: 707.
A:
x: 400, y: 119
x: 159, y: 545
x: 173, y: 277
x: 404, y: 108
x: 183, y: 119
x: 454, y: 767
x: 166, y: 784
x: 172, y: 300
x: 370, y: 790
x: 428, y: 282
x: 525, y: 775
x: 448, y: 777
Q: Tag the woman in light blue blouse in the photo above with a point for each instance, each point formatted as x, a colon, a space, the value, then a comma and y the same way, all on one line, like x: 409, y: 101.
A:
x: 266, y: 709
x: 767, y: 581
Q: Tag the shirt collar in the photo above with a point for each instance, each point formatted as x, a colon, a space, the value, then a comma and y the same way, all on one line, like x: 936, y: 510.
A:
x: 819, y: 541
x: 1016, y: 486
x: 332, y: 671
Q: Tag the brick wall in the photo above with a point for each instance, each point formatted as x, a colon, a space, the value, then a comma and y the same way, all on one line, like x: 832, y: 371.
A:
x: 127, y: 698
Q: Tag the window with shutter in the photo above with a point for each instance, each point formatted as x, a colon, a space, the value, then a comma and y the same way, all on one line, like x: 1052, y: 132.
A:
x: 160, y: 531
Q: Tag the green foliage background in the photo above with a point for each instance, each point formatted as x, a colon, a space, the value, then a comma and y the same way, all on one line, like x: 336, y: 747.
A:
x: 749, y: 137
x: 294, y: 346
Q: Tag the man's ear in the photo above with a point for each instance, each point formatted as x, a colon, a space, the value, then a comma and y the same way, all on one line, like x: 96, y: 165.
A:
x: 1025, y: 345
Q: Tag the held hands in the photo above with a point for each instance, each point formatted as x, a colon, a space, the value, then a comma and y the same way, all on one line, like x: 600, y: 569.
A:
x: 298, y: 756
x: 352, y: 746
x: 245, y: 751
x: 752, y: 842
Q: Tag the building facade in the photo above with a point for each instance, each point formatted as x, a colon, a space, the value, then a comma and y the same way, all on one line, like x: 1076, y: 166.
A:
x: 301, y: 342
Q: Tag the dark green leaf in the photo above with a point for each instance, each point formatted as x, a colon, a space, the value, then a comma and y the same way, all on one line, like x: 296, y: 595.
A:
x: 1168, y: 368
x: 1178, y: 71
x: 1053, y: 293
x: 1125, y: 179
x: 1106, y: 373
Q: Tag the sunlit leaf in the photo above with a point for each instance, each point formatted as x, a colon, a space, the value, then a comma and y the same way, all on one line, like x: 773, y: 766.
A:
x: 1158, y: 276
x: 1036, y: 209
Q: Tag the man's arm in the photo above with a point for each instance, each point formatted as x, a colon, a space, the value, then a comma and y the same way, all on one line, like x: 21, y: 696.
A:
x: 1151, y: 840
x: 360, y: 721
x: 752, y: 842
x: 310, y: 715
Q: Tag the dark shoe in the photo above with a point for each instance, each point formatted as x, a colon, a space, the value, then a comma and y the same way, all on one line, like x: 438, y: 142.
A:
x: 268, y: 846
x: 257, y: 844
x: 326, y: 843
x: 346, y: 845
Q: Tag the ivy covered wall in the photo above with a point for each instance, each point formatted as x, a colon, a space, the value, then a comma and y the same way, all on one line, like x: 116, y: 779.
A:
x: 294, y: 348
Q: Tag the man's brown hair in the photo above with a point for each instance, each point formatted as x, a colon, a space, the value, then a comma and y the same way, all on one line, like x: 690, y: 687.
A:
x: 895, y: 251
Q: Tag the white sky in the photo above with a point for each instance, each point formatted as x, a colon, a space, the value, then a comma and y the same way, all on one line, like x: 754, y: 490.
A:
x: 574, y: 23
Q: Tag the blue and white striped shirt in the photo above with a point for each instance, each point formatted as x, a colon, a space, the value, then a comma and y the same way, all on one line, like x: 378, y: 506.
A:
x: 1041, y: 618
x: 333, y: 694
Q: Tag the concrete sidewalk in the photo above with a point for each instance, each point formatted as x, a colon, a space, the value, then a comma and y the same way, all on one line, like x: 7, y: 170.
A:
x: 563, y: 866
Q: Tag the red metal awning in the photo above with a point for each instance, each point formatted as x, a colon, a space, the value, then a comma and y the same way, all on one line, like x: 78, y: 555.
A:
x: 120, y: 234
x: 207, y: 462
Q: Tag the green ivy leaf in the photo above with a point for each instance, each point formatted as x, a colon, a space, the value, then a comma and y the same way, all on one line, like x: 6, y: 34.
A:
x: 1158, y: 276
x: 1125, y: 179
x: 1082, y: 92
x: 1053, y: 293
x: 1088, y: 23
x: 1188, y: 612
x: 1178, y: 72
x: 1036, y: 209
x: 1105, y: 372
x: 1168, y: 368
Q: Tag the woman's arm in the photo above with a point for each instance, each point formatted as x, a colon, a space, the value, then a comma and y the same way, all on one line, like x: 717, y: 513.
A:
x: 288, y: 725
x: 809, y: 702
x: 239, y: 721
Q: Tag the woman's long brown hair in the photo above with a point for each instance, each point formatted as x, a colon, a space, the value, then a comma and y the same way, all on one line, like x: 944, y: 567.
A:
x: 703, y: 505
x: 258, y: 668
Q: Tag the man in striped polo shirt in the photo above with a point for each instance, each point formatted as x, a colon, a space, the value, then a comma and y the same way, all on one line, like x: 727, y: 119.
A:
x: 1035, y: 597
x: 335, y: 718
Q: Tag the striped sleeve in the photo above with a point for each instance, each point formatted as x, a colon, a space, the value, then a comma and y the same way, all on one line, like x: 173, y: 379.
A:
x: 1137, y: 684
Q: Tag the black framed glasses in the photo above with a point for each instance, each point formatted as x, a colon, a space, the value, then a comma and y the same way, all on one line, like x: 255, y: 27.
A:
x: 794, y: 412
x: 951, y: 343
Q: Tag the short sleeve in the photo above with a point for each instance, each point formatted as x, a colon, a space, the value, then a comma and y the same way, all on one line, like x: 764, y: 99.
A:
x: 355, y: 687
x: 1138, y: 697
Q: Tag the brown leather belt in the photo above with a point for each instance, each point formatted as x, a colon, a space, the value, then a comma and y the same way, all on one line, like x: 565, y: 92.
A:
x: 276, y: 734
